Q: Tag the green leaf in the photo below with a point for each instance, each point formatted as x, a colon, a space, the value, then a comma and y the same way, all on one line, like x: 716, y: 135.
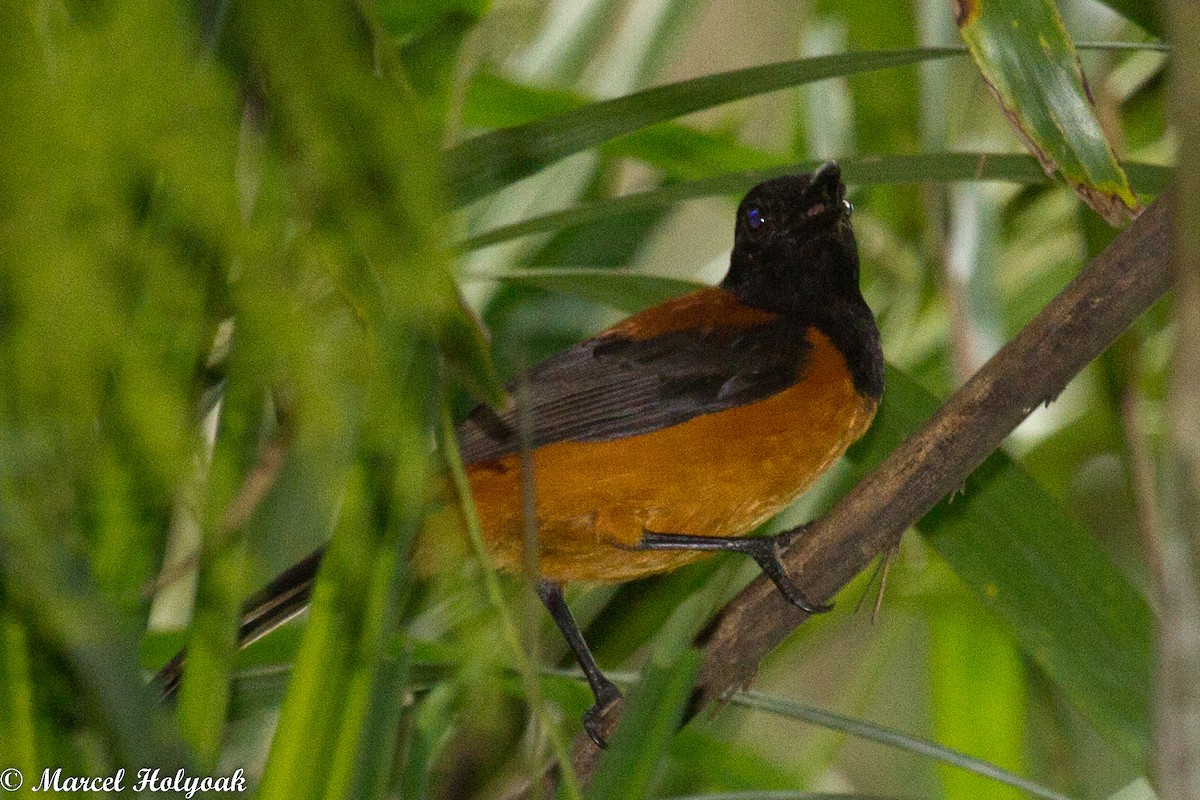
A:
x: 429, y: 729
x: 978, y: 699
x: 366, y: 747
x: 370, y: 377
x: 482, y: 165
x: 655, y: 709
x: 54, y: 598
x: 684, y: 152
x: 1141, y: 12
x: 490, y: 161
x: 1030, y: 62
x: 407, y: 18
x: 18, y: 736
x: 860, y: 171
x: 623, y: 291
x: 430, y: 58
x: 712, y: 758
x: 494, y: 102
x: 773, y: 704
x: 311, y: 715
x: 205, y: 689
x: 1071, y: 611
x: 465, y: 347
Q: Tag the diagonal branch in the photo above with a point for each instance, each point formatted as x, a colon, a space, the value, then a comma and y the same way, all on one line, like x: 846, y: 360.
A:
x: 1112, y: 291
x: 1078, y: 325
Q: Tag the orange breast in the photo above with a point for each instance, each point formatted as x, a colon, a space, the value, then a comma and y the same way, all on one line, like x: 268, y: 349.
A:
x: 717, y: 474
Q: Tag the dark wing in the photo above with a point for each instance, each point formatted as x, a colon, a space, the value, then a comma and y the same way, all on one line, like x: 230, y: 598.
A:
x: 611, y: 387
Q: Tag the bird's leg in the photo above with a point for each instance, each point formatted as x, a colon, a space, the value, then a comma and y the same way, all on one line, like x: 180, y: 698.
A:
x: 604, y: 691
x: 764, y: 550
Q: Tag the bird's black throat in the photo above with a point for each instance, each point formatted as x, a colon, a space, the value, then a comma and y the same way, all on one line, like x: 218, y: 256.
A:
x: 816, y: 284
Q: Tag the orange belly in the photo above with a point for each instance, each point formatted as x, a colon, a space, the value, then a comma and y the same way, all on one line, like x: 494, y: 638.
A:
x: 718, y: 474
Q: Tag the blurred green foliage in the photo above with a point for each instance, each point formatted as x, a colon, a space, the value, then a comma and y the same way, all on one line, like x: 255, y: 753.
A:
x: 243, y: 250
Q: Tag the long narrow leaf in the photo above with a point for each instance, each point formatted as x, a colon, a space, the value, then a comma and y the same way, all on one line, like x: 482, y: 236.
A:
x: 606, y: 286
x: 862, y: 171
x: 876, y: 733
x: 1029, y: 61
x: 979, y: 696
x: 58, y: 602
x: 430, y: 727
x: 490, y: 161
x: 655, y: 708
x: 18, y: 736
x: 1071, y: 610
x: 791, y: 709
x: 1140, y: 12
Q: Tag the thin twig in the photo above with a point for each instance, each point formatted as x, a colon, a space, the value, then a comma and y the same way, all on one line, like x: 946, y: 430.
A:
x: 1139, y: 456
x: 254, y: 487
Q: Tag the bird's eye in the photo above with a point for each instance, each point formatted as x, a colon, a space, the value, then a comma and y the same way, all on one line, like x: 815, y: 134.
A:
x: 755, y: 218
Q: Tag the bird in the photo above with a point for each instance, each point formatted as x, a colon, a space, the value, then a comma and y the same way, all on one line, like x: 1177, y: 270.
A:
x: 676, y: 432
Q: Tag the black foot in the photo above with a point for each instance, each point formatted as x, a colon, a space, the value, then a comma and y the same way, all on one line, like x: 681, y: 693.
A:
x: 604, y: 691
x: 765, y: 551
x: 607, y: 695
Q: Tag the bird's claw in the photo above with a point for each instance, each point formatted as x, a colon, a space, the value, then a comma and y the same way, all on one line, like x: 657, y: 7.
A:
x: 766, y: 555
x: 607, y: 696
x: 797, y: 598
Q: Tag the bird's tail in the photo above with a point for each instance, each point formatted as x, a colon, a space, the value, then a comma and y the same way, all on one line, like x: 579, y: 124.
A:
x: 281, y: 600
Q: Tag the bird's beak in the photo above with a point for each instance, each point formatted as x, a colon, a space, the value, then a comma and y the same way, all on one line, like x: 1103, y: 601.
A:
x: 825, y: 190
x: 826, y: 183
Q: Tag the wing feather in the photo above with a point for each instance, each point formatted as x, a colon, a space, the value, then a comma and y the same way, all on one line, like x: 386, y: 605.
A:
x: 613, y: 386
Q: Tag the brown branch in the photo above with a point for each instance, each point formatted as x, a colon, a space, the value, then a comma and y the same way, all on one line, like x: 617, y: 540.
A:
x: 1079, y: 324
x: 1033, y: 368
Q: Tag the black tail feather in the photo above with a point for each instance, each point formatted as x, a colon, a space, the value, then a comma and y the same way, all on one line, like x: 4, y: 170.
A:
x: 281, y: 600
